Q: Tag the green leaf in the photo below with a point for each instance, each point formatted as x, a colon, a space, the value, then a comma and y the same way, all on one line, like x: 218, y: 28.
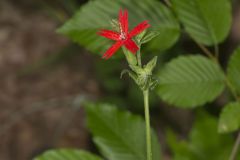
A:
x: 151, y: 65
x: 118, y: 134
x: 138, y: 70
x: 203, y: 143
x: 190, y: 81
x: 97, y: 14
x: 148, y: 37
x: 67, y: 154
x: 179, y: 148
x: 131, y: 58
x: 233, y: 70
x: 206, y: 21
x: 131, y: 74
x: 229, y: 118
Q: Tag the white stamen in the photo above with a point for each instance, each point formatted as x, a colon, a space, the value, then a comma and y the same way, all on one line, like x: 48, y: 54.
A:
x: 122, y: 35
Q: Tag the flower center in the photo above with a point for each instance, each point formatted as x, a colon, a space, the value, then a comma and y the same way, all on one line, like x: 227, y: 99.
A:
x: 122, y: 36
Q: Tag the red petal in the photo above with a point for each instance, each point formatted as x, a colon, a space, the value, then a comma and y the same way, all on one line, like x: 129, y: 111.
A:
x: 123, y: 20
x: 109, y: 34
x: 112, y: 49
x: 139, y: 28
x: 131, y: 46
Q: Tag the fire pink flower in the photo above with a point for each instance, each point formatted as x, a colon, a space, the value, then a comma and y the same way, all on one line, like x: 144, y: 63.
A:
x: 124, y: 38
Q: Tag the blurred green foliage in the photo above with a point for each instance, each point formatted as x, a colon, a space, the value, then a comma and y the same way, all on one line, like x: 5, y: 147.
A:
x: 119, y: 134
x: 204, y: 141
x: 187, y: 81
x: 67, y: 154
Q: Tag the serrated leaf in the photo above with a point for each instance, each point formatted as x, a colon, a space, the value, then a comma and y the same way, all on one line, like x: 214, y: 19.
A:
x: 233, y: 70
x: 119, y: 135
x: 190, y: 81
x: 67, y: 154
x: 97, y: 14
x: 203, y: 143
x: 206, y: 21
x: 229, y: 118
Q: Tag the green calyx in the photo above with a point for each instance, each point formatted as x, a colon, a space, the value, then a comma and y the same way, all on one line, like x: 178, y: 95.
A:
x: 143, y: 75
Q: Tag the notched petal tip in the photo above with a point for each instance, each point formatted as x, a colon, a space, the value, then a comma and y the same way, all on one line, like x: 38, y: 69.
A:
x: 123, y: 21
x: 120, y: 14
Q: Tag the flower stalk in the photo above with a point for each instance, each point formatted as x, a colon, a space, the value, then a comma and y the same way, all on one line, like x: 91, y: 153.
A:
x: 235, y: 149
x: 139, y: 58
x: 148, y: 126
x: 142, y: 75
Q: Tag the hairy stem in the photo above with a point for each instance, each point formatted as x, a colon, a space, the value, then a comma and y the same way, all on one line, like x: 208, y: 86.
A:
x: 139, y: 58
x: 234, y: 152
x: 148, y: 127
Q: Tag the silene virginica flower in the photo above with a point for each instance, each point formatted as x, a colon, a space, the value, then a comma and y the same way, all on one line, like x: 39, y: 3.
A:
x: 123, y: 37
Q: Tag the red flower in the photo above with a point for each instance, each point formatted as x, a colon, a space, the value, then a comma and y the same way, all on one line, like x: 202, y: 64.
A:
x: 124, y: 38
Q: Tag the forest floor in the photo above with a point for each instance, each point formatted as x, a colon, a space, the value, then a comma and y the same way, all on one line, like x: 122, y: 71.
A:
x: 40, y: 106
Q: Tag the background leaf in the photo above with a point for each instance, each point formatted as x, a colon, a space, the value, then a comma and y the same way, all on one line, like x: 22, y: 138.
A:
x: 190, y: 81
x: 207, y: 21
x: 229, y: 118
x: 233, y: 70
x: 67, y: 154
x: 97, y: 14
x: 204, y: 141
x: 119, y: 135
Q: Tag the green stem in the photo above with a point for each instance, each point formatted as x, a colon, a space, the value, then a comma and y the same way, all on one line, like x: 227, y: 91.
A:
x: 231, y: 88
x: 235, y: 148
x: 139, y: 58
x: 148, y: 127
x: 206, y: 51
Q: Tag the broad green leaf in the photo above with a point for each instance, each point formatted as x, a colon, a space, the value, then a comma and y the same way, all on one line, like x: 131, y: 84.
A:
x: 190, y: 81
x: 118, y: 134
x: 206, y: 21
x: 233, y: 70
x: 204, y: 142
x: 229, y: 118
x: 97, y: 14
x: 67, y: 154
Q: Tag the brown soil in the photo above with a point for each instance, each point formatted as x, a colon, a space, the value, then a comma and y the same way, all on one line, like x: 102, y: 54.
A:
x: 39, y: 109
